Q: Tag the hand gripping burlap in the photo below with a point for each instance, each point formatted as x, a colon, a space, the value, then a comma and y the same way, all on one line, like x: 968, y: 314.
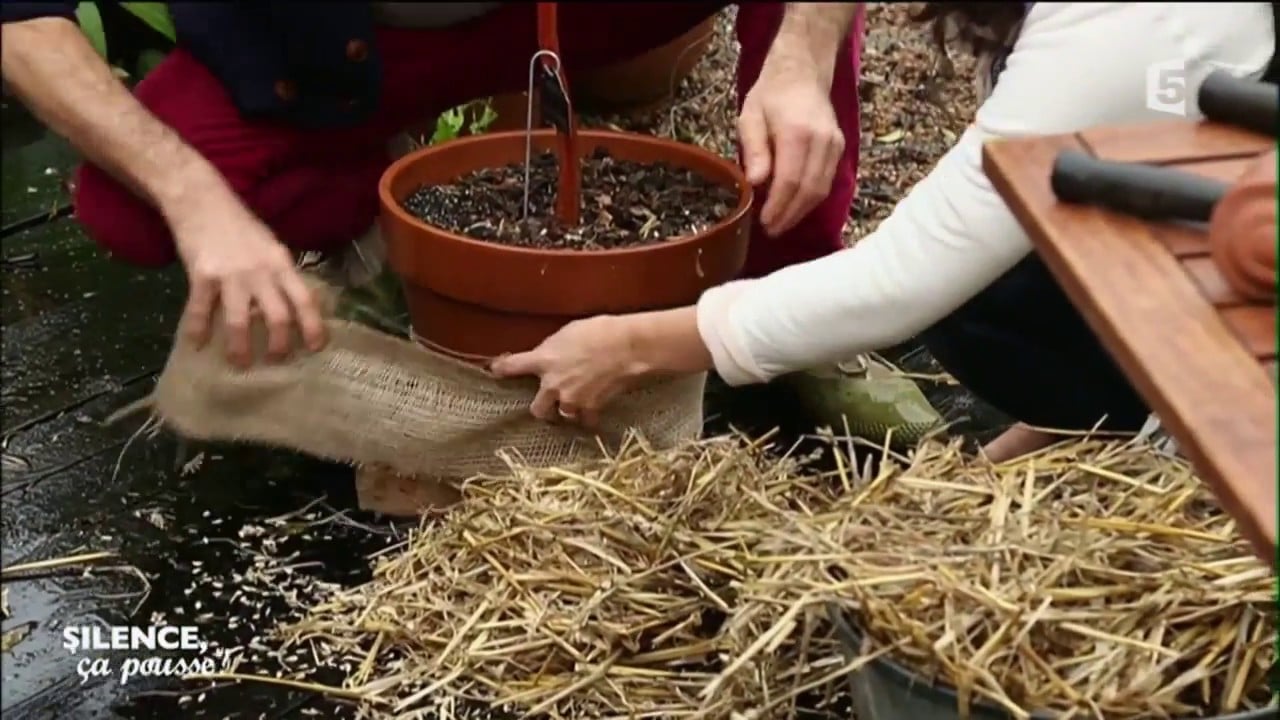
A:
x: 370, y: 398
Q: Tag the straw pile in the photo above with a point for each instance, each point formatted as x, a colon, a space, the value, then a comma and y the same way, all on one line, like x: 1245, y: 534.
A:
x: 1094, y: 579
x: 1097, y: 579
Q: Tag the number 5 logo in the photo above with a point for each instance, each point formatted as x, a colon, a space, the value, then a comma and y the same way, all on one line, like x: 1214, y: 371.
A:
x: 1167, y: 87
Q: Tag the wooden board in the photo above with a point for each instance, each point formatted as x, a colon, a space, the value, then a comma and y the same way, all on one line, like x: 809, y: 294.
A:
x: 1176, y: 142
x: 383, y: 491
x: 1202, y: 358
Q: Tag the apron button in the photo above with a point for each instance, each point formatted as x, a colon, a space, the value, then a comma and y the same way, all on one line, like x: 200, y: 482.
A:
x: 286, y: 90
x: 357, y: 50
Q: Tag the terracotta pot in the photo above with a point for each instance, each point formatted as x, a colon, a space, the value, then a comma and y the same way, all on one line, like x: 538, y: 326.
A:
x: 649, y: 79
x: 632, y: 86
x: 479, y: 299
x: 1242, y: 232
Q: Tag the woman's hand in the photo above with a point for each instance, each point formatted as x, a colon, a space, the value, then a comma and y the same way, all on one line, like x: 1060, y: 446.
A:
x: 582, y: 367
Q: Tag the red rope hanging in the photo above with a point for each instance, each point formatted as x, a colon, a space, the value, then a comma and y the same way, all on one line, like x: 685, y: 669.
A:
x: 560, y: 110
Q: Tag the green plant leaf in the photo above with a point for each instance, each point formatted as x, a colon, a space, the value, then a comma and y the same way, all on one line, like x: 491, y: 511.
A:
x: 90, y: 20
x: 148, y: 60
x: 483, y: 117
x: 155, y: 15
x: 449, y: 124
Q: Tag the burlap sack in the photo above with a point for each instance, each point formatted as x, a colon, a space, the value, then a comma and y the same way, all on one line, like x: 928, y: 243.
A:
x: 372, y: 399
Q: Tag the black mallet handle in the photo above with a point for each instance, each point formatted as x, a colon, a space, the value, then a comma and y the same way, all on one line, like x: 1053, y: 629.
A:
x: 1247, y: 104
x: 1148, y: 191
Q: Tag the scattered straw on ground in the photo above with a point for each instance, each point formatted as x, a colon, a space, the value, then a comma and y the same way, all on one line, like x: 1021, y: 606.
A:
x: 55, y: 563
x: 1096, y: 578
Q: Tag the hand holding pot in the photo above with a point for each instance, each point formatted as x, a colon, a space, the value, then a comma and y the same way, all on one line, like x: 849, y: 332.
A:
x: 234, y: 260
x: 790, y: 137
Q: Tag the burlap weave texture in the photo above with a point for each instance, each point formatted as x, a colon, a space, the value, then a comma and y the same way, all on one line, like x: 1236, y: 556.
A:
x: 373, y: 399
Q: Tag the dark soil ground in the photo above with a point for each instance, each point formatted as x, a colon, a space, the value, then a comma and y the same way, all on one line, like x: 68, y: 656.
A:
x: 624, y: 204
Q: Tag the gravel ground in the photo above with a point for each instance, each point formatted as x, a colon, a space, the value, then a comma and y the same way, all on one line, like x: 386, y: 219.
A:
x: 911, y: 112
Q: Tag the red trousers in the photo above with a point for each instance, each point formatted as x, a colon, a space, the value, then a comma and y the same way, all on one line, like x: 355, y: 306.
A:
x: 317, y: 189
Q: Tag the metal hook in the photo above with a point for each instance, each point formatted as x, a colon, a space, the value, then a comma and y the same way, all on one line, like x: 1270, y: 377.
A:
x: 528, y: 121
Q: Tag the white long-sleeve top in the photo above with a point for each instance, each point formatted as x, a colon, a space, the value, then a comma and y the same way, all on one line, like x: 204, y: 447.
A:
x: 1073, y: 66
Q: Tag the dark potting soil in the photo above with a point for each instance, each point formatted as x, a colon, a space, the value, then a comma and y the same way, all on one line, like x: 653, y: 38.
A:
x: 624, y: 204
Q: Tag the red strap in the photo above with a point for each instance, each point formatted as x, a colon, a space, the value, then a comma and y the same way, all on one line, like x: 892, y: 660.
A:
x: 548, y: 28
x: 569, y: 189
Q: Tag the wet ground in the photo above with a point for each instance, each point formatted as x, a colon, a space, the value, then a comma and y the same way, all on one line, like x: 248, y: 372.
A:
x: 82, y: 337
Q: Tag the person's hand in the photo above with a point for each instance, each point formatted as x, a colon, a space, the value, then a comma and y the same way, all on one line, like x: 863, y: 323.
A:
x: 233, y: 259
x: 582, y: 367
x: 789, y: 133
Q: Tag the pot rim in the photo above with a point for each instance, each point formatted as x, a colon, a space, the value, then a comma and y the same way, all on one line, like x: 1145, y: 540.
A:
x: 391, y: 205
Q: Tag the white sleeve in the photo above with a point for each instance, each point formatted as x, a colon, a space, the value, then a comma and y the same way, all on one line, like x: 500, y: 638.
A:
x: 1075, y: 65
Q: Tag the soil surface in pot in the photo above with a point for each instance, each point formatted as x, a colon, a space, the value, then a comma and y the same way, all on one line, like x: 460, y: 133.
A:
x: 624, y: 204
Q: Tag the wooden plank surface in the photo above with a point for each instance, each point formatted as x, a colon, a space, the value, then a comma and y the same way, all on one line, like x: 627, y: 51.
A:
x: 1227, y: 170
x: 1172, y: 140
x: 1181, y: 239
x: 1157, y: 316
x: 1255, y: 327
x: 1212, y: 285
